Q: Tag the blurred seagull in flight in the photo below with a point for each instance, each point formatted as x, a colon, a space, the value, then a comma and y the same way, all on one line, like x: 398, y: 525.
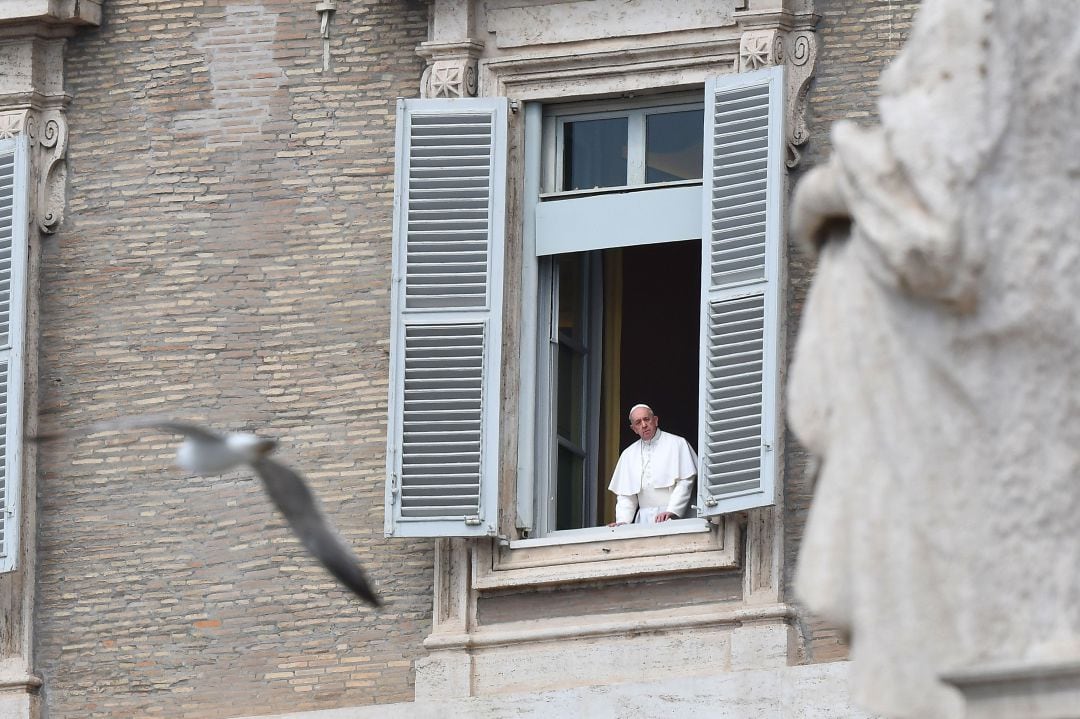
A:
x: 206, y: 453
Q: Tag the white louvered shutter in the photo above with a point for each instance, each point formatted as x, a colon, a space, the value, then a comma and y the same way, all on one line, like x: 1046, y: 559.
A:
x: 449, y: 219
x: 14, y: 226
x: 741, y: 244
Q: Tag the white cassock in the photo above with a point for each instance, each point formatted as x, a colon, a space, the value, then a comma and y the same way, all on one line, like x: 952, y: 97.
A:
x: 654, y: 476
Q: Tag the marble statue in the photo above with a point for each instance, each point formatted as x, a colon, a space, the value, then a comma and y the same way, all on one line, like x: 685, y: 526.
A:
x: 937, y: 371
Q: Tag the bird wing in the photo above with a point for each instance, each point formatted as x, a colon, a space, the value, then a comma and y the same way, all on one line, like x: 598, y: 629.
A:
x: 295, y: 500
x: 143, y: 422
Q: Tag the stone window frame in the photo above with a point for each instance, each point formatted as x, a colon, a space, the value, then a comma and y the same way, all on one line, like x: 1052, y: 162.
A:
x: 760, y: 37
x: 596, y: 553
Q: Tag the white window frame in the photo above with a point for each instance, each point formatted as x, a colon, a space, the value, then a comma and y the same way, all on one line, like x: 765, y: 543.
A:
x: 541, y: 139
x: 547, y: 461
x: 552, y: 118
x: 556, y: 117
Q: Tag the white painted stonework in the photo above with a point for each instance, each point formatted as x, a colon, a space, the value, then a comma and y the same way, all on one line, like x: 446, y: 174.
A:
x: 937, y: 368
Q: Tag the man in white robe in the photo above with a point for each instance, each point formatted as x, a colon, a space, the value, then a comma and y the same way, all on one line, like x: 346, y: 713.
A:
x: 654, y: 478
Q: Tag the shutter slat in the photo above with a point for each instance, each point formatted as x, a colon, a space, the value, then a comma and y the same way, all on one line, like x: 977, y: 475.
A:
x: 736, y: 332
x: 450, y: 370
x: 443, y: 437
x: 7, y: 238
x: 456, y: 157
x: 739, y: 267
x: 14, y: 223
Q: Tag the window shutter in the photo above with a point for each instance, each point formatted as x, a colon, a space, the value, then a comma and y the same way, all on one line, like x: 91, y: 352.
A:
x: 14, y: 226
x: 741, y: 243
x: 449, y: 219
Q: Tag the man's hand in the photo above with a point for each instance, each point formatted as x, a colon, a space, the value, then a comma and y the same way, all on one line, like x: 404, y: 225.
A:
x: 616, y: 524
x: 665, y: 516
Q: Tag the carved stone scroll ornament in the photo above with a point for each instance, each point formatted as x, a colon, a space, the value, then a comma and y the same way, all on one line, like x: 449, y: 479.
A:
x: 48, y: 142
x: 800, y: 56
x: 47, y: 132
x: 798, y: 52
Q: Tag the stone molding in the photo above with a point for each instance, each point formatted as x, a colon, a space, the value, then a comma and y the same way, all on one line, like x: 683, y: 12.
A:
x: 606, y: 73
x: 514, y: 26
x: 504, y: 567
x: 451, y: 70
x: 800, y: 55
x: 32, y: 102
x: 659, y: 621
x: 64, y: 12
x: 48, y: 135
x: 797, y: 51
x: 760, y: 48
x: 465, y: 568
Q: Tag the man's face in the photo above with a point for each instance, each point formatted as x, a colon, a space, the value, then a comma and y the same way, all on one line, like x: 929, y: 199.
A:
x: 644, y: 423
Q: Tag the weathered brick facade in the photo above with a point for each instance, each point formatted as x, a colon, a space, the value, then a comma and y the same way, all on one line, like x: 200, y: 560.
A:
x: 227, y: 256
x: 857, y: 40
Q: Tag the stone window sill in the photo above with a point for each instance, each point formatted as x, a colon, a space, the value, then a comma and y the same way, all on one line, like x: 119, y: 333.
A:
x: 607, y: 552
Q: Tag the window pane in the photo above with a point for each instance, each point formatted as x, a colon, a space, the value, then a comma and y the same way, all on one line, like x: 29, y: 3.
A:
x: 594, y: 153
x: 571, y: 395
x: 571, y: 488
x: 571, y: 304
x: 673, y: 146
x: 572, y: 350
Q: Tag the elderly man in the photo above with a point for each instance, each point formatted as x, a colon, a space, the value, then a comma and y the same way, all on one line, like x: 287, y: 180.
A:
x: 654, y: 478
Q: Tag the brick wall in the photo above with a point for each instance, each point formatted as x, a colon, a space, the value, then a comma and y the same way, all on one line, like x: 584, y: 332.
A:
x: 857, y: 38
x: 227, y: 257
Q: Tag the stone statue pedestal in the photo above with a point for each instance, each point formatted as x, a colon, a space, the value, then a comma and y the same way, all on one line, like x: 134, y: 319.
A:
x: 1024, y: 690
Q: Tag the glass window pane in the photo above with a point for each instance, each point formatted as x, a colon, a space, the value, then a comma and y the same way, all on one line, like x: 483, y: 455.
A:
x: 594, y: 153
x: 571, y: 489
x: 571, y: 304
x: 673, y: 146
x: 571, y: 354
x: 570, y: 395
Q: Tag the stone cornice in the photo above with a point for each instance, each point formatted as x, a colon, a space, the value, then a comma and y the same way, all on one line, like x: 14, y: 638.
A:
x: 776, y: 20
x: 465, y: 48
x: 19, y: 682
x: 616, y: 625
x: 33, y: 101
x: 53, y: 12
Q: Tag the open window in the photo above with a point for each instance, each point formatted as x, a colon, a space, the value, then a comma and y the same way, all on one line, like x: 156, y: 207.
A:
x: 650, y: 273
x: 619, y: 301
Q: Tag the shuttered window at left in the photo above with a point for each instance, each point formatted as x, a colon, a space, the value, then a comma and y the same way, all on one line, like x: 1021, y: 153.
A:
x: 14, y: 227
x: 449, y: 223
